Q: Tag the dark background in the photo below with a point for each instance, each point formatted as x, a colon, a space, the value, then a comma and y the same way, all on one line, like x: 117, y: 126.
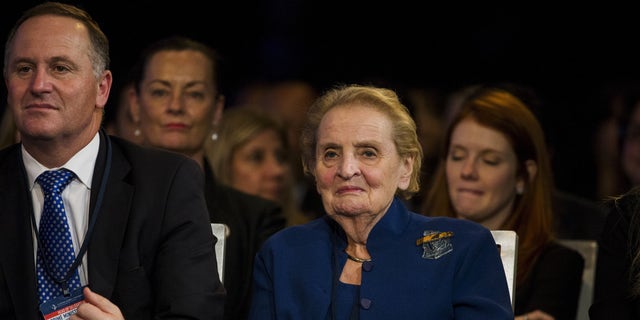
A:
x: 573, y: 56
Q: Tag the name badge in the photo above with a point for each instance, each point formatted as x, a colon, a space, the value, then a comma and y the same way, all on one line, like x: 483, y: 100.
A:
x: 62, y: 308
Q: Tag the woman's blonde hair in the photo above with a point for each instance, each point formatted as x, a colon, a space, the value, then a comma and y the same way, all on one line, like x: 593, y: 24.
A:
x: 241, y: 125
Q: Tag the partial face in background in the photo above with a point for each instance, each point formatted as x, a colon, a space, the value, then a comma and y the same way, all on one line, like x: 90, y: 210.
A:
x: 53, y: 91
x: 358, y: 169
x: 260, y: 167
x: 481, y: 171
x: 123, y: 124
x: 631, y: 148
x: 178, y: 102
x: 290, y: 101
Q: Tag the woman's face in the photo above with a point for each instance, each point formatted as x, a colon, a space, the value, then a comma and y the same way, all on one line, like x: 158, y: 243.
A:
x: 358, y: 168
x: 260, y: 167
x: 177, y: 101
x: 481, y: 171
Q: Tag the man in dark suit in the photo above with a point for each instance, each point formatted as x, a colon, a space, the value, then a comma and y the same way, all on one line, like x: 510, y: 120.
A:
x: 137, y: 217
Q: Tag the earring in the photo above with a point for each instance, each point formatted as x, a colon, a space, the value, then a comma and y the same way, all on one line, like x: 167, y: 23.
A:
x: 519, y: 190
x: 136, y: 132
x: 214, y: 136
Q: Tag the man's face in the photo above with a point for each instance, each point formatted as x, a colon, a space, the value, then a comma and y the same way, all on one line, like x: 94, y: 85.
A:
x: 52, y: 89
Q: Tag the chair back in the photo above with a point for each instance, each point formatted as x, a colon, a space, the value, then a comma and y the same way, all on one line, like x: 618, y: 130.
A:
x: 507, y: 242
x: 220, y: 231
x: 589, y: 251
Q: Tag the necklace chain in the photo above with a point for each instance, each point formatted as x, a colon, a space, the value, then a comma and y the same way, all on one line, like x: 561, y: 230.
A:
x: 356, y: 259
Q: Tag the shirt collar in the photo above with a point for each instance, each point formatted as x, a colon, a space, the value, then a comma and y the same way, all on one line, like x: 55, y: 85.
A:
x: 82, y: 163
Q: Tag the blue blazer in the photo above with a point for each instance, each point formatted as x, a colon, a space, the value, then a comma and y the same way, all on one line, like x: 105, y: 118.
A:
x: 295, y: 271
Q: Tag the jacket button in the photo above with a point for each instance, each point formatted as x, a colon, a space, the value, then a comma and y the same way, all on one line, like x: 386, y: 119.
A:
x: 365, y: 303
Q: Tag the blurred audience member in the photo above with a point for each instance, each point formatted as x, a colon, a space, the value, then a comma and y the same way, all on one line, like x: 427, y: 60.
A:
x: 176, y: 103
x: 253, y: 93
x: 630, y: 145
x: 426, y: 107
x: 289, y: 100
x: 120, y: 122
x: 495, y: 170
x: 251, y: 154
x: 618, y: 144
x: 617, y: 286
x: 454, y: 101
x: 8, y: 130
x: 607, y: 146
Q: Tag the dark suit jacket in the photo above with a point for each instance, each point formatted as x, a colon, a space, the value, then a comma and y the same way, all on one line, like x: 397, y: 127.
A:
x: 554, y: 283
x: 251, y: 220
x: 152, y: 249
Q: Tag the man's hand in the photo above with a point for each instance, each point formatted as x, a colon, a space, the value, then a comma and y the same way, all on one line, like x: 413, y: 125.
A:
x: 535, y: 315
x: 96, y: 306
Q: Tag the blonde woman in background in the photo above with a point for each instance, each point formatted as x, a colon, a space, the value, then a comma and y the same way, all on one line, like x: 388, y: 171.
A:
x: 251, y: 154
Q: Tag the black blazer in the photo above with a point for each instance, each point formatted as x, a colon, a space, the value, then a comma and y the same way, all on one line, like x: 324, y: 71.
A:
x: 251, y: 220
x: 617, y: 246
x: 152, y: 249
x: 553, y: 284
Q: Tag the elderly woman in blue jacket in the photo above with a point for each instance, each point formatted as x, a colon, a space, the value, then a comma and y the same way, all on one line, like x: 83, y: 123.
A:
x: 369, y: 257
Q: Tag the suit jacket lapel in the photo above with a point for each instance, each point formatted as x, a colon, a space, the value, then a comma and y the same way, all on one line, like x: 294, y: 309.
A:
x: 109, y: 230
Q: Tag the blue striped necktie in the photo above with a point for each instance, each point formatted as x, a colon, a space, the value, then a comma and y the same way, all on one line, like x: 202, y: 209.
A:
x: 55, y: 249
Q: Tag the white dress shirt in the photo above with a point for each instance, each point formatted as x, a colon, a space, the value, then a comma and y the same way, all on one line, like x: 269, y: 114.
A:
x: 76, y: 196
